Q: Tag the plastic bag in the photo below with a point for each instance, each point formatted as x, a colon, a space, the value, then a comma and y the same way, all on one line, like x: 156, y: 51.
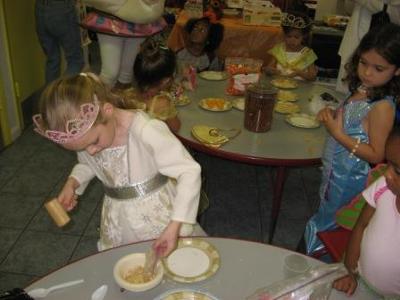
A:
x: 315, y: 284
x: 242, y: 72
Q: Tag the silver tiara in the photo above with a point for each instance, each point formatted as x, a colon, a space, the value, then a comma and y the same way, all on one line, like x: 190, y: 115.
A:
x: 293, y: 21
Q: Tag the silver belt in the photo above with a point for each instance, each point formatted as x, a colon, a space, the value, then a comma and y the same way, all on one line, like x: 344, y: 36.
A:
x: 137, y: 190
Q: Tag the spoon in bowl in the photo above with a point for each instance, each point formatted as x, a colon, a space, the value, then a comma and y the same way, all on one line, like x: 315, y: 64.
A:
x: 42, y: 292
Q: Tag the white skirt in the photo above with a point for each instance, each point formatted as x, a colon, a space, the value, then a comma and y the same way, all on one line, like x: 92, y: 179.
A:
x: 139, y: 219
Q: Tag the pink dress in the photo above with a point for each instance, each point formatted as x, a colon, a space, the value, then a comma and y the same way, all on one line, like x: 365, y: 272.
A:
x: 379, y: 262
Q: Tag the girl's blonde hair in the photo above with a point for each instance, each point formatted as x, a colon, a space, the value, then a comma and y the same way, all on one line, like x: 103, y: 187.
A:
x: 62, y: 99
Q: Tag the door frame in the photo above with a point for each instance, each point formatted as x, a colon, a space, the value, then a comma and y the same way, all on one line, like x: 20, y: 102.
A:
x: 10, y: 110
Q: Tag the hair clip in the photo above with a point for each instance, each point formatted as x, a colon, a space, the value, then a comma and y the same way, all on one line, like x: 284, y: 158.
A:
x: 74, y: 128
x: 293, y: 21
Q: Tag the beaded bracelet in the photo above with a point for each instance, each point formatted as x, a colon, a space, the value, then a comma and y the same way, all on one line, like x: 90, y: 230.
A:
x: 353, y: 151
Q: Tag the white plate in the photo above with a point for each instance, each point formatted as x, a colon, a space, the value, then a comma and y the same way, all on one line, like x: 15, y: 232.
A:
x: 302, y: 121
x: 182, y: 100
x: 215, y: 104
x: 284, y: 83
x: 213, y: 75
x: 284, y: 107
x: 193, y: 260
x: 286, y: 96
x: 185, y: 294
x: 238, y: 103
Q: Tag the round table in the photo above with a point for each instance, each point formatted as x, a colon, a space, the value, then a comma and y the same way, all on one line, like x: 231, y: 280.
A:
x: 281, y: 147
x: 245, y: 266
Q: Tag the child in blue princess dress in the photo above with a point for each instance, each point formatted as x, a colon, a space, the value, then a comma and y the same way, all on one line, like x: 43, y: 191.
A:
x: 358, y: 128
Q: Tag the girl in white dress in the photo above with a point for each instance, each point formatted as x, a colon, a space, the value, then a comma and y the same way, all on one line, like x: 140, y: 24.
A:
x: 151, y: 182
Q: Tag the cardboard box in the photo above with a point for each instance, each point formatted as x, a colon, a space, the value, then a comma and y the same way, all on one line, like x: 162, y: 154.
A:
x: 194, y: 8
x: 261, y: 13
x: 234, y: 3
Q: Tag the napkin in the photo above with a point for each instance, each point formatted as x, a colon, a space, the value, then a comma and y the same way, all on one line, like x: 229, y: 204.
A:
x: 213, y: 136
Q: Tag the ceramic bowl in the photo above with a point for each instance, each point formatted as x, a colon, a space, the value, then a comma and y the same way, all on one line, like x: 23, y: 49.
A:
x: 129, y: 263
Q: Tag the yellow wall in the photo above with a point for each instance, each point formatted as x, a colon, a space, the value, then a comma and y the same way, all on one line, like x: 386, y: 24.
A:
x: 5, y: 133
x: 27, y: 58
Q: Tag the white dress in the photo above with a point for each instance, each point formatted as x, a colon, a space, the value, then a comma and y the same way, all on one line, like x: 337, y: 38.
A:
x: 151, y: 149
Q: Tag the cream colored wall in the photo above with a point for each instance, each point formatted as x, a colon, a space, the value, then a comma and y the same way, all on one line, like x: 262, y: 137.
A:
x: 21, y: 63
x: 26, y: 55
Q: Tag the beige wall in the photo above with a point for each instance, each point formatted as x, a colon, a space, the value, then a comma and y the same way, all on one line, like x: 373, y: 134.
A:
x: 21, y: 63
x: 27, y: 58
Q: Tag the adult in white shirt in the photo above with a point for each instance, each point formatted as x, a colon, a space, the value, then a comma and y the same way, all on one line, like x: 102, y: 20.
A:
x: 358, y: 26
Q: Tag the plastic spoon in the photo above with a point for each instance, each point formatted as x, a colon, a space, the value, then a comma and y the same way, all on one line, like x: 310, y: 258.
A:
x: 100, y: 293
x: 42, y: 292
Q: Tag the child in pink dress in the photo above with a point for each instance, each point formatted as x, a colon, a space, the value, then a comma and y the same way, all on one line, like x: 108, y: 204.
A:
x: 374, y: 247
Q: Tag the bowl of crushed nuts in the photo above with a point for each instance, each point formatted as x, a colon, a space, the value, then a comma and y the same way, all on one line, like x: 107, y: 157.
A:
x: 130, y: 274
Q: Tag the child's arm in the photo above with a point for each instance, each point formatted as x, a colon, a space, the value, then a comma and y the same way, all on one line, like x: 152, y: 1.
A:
x: 310, y: 73
x: 378, y: 124
x: 348, y: 283
x: 270, y: 68
x: 167, y: 241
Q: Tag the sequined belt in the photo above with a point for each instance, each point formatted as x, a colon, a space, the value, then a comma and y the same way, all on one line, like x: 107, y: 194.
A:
x: 137, y: 190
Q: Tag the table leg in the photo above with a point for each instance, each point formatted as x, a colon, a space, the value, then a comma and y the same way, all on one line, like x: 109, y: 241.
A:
x: 277, y: 184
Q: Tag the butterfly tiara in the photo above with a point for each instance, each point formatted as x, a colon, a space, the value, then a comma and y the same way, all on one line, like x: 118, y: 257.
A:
x: 290, y: 20
x: 74, y: 128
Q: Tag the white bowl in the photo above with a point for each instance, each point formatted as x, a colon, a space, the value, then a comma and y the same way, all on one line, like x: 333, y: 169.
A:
x: 129, y: 263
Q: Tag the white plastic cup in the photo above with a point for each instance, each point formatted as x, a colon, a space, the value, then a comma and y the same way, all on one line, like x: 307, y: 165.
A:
x: 294, y: 265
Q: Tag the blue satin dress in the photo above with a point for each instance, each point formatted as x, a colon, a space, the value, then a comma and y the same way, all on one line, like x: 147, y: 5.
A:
x: 343, y: 176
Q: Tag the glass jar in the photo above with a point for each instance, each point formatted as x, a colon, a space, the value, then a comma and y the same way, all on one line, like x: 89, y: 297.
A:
x: 259, y: 107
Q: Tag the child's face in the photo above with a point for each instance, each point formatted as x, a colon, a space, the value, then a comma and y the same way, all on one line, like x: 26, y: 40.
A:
x: 392, y: 173
x: 199, y: 33
x: 375, y: 71
x: 294, y: 40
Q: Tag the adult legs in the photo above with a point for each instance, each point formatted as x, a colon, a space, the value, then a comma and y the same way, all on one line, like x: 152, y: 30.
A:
x: 110, y: 53
x: 131, y: 47
x: 57, y: 25
x: 70, y: 40
x: 48, y: 41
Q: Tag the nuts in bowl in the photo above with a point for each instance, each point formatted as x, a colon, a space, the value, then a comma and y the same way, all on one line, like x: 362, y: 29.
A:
x: 129, y: 273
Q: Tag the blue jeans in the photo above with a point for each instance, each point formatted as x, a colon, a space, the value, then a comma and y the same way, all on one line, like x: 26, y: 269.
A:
x: 57, y: 27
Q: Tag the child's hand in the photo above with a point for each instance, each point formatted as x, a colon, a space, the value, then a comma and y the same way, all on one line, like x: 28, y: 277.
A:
x: 347, y: 284
x: 333, y: 120
x: 167, y: 241
x: 67, y: 196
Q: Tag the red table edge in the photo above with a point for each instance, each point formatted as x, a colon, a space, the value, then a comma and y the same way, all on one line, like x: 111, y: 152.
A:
x: 248, y: 158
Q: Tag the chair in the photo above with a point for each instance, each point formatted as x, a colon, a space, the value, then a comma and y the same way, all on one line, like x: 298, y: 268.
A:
x: 335, y: 242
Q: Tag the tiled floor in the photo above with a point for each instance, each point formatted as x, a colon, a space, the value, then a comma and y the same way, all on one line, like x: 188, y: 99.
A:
x: 33, y: 169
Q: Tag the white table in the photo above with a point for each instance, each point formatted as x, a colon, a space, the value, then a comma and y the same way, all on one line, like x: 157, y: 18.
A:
x: 281, y: 147
x: 245, y: 266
